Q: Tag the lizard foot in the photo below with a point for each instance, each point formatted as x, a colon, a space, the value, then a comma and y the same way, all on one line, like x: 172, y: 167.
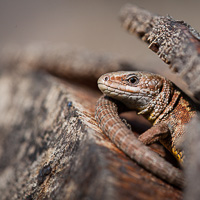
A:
x: 155, y: 133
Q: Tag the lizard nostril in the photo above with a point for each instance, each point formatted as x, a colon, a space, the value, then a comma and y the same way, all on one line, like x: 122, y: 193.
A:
x: 106, y: 78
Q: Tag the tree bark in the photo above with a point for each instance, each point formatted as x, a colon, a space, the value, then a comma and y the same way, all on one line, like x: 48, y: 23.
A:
x: 52, y: 148
x: 175, y: 42
x: 178, y: 45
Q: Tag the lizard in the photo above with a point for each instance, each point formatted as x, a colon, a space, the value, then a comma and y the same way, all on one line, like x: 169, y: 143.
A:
x: 158, y: 100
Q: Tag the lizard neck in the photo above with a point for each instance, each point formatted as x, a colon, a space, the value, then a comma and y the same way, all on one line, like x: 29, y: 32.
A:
x: 158, y: 105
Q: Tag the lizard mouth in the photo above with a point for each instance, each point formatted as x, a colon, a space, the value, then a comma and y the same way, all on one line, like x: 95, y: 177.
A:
x: 108, y: 90
x: 114, y: 88
x: 117, y: 90
x: 109, y: 87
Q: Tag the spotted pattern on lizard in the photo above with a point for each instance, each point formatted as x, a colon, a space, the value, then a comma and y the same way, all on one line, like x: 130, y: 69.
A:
x: 158, y: 100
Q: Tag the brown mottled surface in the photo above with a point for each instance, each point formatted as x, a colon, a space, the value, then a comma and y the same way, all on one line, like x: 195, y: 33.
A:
x: 51, y: 147
x: 41, y: 157
x: 107, y: 117
x: 175, y: 42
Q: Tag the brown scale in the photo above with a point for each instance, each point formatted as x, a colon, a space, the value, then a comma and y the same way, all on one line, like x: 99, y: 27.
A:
x: 181, y: 114
x: 162, y: 103
x: 169, y: 127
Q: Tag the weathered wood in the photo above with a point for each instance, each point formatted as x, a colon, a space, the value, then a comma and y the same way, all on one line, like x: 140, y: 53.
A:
x: 74, y: 64
x: 50, y: 144
x: 178, y: 45
x: 175, y: 42
x: 51, y: 147
x: 192, y: 141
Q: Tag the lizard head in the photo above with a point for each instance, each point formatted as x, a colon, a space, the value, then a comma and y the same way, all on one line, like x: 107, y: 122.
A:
x: 135, y: 89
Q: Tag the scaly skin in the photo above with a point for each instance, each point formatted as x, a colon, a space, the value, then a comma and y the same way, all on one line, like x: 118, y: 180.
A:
x: 107, y: 110
x: 158, y: 99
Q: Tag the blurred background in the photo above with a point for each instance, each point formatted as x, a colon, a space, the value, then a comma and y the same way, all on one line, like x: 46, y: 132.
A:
x: 92, y: 24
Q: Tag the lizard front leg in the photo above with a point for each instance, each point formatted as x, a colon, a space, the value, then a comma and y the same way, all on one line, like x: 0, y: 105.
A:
x: 109, y: 121
x: 155, y: 133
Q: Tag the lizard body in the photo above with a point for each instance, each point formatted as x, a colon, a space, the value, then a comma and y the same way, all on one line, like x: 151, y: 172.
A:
x: 158, y: 99
x: 107, y: 110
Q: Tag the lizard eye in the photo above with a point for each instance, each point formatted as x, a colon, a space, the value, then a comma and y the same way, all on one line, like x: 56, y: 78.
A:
x: 133, y: 80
